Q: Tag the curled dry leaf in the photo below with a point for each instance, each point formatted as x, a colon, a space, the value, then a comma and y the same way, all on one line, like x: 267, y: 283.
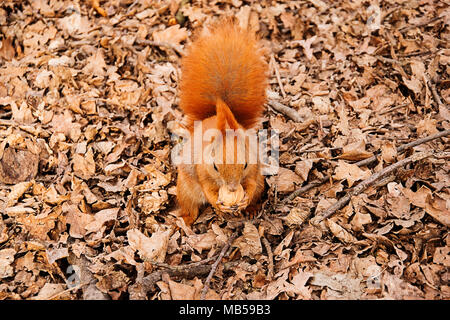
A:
x: 204, y: 241
x: 339, y: 285
x: 18, y: 210
x: 359, y: 220
x: 249, y: 243
x: 284, y: 243
x: 152, y: 202
x: 418, y: 198
x: 17, y: 165
x: 285, y: 181
x: 17, y: 191
x: 153, y: 248
x: 340, y: 232
x: 84, y: 166
x: 7, y: 50
x: 355, y: 151
x: 388, y: 151
x: 299, y: 281
x: 397, y: 203
x: 297, y: 217
x: 438, y: 209
x: 302, y: 168
x: 54, y: 254
x: 399, y: 289
x: 442, y: 256
x: 51, y: 196
x: 100, y: 218
x: 350, y: 172
x: 427, y: 126
x: 39, y: 226
x: 180, y: 291
x: 322, y: 104
x: 49, y: 290
x: 6, y: 259
x: 173, y: 35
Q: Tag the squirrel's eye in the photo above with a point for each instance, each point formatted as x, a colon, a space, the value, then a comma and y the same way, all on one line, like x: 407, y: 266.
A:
x: 215, y: 167
x: 245, y: 167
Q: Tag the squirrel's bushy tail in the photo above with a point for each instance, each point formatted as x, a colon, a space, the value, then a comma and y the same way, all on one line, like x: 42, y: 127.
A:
x: 228, y: 64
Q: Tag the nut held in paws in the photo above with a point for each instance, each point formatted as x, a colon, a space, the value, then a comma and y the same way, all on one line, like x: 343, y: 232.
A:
x: 230, y: 198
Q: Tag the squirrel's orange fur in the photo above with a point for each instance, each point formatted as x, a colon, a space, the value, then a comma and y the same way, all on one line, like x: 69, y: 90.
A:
x: 227, y: 63
x: 223, y: 84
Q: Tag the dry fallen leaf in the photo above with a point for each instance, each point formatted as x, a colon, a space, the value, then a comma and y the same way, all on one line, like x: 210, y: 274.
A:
x: 49, y: 290
x: 296, y: 217
x: 388, y: 152
x: 153, y: 248
x: 285, y: 181
x: 6, y: 259
x: 7, y: 50
x: 88, y: 104
x: 438, y: 209
x: 174, y: 35
x: 204, y: 241
x: 17, y: 165
x: 249, y: 243
x: 355, y: 151
x: 302, y: 168
x: 180, y: 291
x: 17, y: 191
x: 340, y: 232
x: 100, y: 218
x: 350, y: 172
x: 84, y: 166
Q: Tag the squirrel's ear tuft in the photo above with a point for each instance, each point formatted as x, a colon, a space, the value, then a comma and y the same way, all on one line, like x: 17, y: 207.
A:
x: 225, y: 118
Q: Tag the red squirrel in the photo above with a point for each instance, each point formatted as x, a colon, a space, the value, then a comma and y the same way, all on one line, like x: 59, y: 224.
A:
x: 223, y: 87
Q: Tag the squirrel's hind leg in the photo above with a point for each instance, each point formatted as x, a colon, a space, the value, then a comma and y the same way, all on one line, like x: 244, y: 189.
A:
x: 189, y: 196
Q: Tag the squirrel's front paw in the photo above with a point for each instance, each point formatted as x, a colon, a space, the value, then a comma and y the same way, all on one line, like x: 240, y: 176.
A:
x: 241, y: 205
x: 226, y: 208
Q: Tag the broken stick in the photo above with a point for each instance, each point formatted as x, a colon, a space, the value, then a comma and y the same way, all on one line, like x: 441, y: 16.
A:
x: 216, y: 263
x: 291, y: 113
x: 367, y: 183
x: 364, y: 162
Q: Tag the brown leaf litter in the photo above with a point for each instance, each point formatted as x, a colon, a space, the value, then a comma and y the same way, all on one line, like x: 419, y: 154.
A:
x: 88, y: 102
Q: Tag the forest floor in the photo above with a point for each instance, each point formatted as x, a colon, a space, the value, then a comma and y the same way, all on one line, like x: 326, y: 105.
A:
x: 88, y: 103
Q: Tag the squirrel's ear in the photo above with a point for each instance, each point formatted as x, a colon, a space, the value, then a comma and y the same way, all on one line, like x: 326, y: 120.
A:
x: 225, y: 117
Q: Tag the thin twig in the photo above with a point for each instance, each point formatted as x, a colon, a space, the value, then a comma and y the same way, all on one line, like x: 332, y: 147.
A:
x: 216, y: 263
x: 183, y: 266
x: 175, y: 48
x: 423, y: 24
x: 434, y: 92
x: 407, y: 146
x: 390, y: 60
x: 364, y: 162
x: 58, y: 294
x: 416, y: 53
x: 305, y: 189
x: 148, y: 282
x: 394, y: 108
x: 367, y: 183
x: 277, y: 74
x: 319, y: 150
x: 266, y: 243
x: 291, y: 113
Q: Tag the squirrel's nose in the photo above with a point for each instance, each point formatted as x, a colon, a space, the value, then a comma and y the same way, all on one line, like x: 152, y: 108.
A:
x: 233, y: 187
